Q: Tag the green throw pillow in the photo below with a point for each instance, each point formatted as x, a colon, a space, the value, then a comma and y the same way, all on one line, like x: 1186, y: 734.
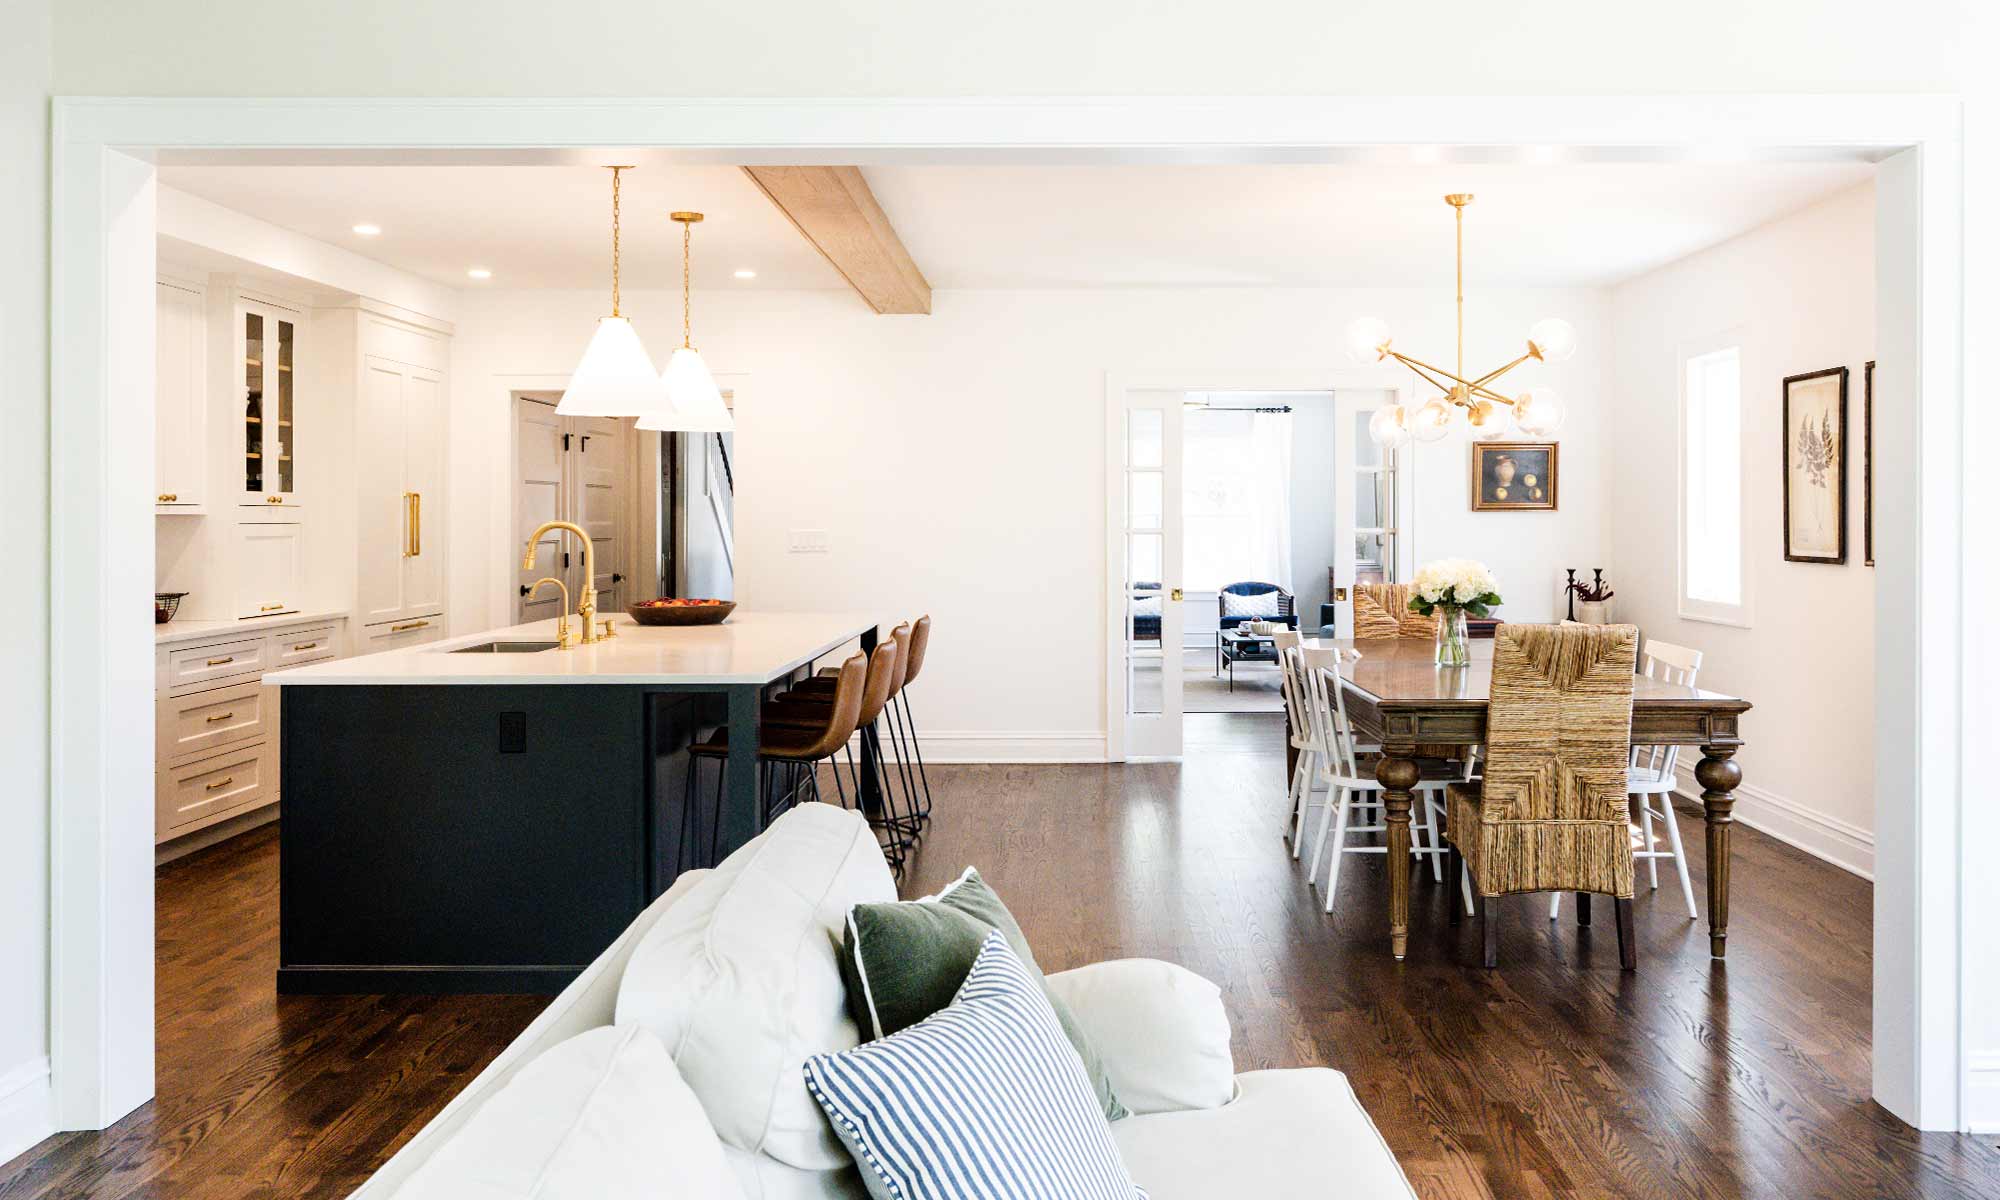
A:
x: 903, y: 961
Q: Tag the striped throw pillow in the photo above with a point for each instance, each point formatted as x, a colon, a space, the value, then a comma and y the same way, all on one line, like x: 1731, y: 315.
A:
x: 982, y: 1100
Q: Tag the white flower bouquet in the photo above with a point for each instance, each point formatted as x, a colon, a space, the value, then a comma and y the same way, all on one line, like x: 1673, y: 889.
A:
x: 1454, y: 583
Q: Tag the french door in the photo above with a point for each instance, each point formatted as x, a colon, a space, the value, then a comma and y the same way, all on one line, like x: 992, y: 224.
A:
x: 575, y: 469
x: 1372, y: 504
x: 1150, y: 549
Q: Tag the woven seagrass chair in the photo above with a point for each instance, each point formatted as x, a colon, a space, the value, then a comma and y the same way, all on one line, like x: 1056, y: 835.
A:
x: 1550, y: 813
x: 1382, y: 610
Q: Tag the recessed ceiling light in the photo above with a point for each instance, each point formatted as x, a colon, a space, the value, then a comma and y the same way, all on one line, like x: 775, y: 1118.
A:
x: 480, y: 273
x: 367, y: 230
x: 745, y: 273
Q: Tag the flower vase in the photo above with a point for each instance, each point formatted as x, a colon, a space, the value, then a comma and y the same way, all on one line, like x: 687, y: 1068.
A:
x: 1593, y: 612
x: 1453, y: 645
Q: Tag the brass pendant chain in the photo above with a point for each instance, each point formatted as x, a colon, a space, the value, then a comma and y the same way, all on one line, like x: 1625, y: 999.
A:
x: 614, y: 237
x: 687, y: 302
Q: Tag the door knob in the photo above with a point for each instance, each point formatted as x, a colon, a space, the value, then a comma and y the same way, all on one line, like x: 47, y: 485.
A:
x: 1176, y: 594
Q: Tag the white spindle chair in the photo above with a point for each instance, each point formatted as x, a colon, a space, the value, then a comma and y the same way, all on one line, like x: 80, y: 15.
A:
x: 1305, y: 772
x: 1650, y: 778
x: 1326, y: 705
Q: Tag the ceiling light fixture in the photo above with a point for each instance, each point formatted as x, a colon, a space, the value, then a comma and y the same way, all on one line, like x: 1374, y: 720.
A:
x: 479, y: 273
x: 367, y: 230
x: 1537, y: 412
x: 616, y: 377
x: 697, y: 405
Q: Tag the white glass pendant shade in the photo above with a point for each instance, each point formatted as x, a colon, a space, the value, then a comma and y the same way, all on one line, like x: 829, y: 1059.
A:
x: 1539, y: 412
x: 1367, y: 339
x: 1489, y: 420
x: 1553, y: 338
x: 615, y: 378
x: 697, y: 405
x: 1389, y: 427
x: 1433, y: 420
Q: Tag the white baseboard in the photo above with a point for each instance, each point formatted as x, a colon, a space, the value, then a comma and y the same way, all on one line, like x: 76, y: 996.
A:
x: 27, y: 1108
x: 1006, y: 747
x: 1982, y: 1094
x: 1829, y: 839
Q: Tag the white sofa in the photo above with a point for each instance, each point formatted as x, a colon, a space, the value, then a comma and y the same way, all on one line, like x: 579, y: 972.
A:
x: 1198, y: 1129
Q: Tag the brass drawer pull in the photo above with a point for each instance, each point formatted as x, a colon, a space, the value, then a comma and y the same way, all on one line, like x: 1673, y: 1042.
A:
x: 223, y: 717
x: 306, y: 646
x: 269, y: 607
x: 216, y: 662
x: 223, y: 782
x: 168, y: 497
x: 408, y: 625
x: 274, y: 499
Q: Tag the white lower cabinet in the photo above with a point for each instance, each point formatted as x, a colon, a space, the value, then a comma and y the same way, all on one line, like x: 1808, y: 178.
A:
x: 216, y: 740
x: 270, y: 568
x: 398, y: 634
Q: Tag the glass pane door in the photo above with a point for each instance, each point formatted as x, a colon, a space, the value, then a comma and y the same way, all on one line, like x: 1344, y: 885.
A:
x: 282, y: 435
x: 253, y: 404
x: 1150, y: 574
x: 1371, y: 491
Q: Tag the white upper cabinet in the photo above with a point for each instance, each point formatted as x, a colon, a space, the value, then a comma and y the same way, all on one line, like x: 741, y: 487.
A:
x: 270, y: 567
x: 268, y: 391
x: 180, y: 399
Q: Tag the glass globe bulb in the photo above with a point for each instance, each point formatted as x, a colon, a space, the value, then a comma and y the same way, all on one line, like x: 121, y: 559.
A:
x: 1490, y: 420
x: 1367, y: 339
x: 1539, y: 412
x: 1553, y: 338
x: 1433, y: 420
x: 1389, y: 428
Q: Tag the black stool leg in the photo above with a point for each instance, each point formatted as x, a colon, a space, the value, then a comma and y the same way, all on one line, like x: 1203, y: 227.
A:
x: 910, y: 719
x: 685, y: 846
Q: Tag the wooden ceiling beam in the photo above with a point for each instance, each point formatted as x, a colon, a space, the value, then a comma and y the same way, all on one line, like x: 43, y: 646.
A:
x: 835, y: 210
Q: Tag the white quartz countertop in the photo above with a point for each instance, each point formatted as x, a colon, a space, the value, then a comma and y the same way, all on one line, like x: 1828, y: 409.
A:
x: 749, y: 648
x: 195, y: 631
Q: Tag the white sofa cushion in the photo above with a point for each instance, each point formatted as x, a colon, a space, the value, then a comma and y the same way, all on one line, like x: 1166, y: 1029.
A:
x: 982, y: 1100
x: 1160, y: 1029
x: 741, y: 980
x: 602, y: 1114
x: 1287, y: 1133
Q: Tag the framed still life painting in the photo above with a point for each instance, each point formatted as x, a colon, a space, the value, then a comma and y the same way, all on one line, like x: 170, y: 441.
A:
x: 1816, y: 466
x: 1510, y: 476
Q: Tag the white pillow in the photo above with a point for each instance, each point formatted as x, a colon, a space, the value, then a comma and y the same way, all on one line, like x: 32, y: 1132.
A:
x: 1261, y: 606
x: 602, y: 1114
x: 1160, y: 1029
x: 741, y: 979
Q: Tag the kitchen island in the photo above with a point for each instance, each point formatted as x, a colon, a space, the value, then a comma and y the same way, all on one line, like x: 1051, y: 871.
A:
x: 485, y: 814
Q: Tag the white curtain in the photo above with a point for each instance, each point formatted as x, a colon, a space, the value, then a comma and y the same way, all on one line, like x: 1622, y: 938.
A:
x: 1237, y: 498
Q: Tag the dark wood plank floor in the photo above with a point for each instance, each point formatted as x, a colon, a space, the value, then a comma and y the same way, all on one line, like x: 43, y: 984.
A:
x: 1556, y: 1075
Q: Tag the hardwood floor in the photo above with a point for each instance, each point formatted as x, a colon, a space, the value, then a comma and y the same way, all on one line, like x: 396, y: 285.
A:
x: 1556, y: 1075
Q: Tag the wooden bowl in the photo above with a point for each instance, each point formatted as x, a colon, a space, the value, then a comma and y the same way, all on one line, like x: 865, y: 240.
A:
x: 712, y: 613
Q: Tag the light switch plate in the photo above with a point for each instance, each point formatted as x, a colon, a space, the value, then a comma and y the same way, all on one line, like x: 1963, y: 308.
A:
x: 807, y: 541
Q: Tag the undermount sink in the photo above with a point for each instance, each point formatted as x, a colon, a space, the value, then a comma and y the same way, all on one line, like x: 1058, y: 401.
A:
x: 506, y: 648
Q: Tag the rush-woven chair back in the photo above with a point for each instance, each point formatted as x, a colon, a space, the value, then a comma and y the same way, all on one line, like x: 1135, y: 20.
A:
x: 1550, y: 813
x: 1382, y: 610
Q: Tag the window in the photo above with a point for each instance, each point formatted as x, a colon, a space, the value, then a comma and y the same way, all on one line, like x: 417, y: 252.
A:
x: 1712, y: 576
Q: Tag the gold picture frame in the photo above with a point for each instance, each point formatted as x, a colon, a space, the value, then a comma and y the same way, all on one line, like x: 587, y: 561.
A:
x: 1515, y: 476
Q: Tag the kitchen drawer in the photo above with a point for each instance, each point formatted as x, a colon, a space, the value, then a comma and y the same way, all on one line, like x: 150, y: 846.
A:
x: 397, y: 634
x: 194, y: 666
x: 297, y: 647
x: 203, y: 721
x: 209, y: 787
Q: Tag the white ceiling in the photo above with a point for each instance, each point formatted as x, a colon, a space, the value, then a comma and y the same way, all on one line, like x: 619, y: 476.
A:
x: 1043, y: 226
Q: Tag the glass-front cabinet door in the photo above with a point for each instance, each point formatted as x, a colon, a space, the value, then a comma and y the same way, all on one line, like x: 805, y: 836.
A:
x: 269, y: 406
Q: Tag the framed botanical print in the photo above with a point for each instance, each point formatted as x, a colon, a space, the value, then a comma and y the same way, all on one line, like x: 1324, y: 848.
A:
x: 1815, y: 471
x: 1868, y: 463
x: 1510, y: 476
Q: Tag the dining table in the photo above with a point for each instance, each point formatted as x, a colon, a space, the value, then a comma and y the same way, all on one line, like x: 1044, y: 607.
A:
x: 1398, y: 696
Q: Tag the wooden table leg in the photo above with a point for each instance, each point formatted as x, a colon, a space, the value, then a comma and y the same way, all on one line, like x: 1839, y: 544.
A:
x: 1397, y: 772
x: 1719, y: 777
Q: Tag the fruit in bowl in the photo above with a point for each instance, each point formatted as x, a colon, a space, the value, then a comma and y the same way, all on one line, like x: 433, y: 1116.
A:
x: 680, y: 610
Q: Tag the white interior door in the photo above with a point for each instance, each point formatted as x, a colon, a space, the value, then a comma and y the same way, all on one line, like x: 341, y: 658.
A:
x: 1148, y: 577
x: 1372, y: 502
x: 577, y: 470
x: 538, y: 494
x: 602, y: 464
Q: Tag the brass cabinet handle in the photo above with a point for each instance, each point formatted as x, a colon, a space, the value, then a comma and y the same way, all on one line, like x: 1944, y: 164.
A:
x: 305, y: 646
x: 408, y: 625
x: 223, y: 717
x: 270, y: 607
x: 413, y: 524
x: 223, y: 782
x: 274, y: 499
x: 168, y: 497
x: 216, y: 662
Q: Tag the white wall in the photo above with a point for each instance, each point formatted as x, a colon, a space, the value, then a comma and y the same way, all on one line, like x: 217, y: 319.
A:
x: 1802, y: 292
x: 956, y: 460
x: 25, y: 50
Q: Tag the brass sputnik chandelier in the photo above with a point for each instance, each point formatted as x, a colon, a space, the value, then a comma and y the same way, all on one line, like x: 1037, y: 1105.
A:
x: 1472, y: 402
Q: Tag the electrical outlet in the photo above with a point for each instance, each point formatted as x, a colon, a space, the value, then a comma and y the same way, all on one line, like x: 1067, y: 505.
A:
x: 808, y: 541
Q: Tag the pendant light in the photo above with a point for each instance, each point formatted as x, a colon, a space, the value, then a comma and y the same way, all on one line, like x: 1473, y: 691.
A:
x: 697, y: 405
x: 616, y: 377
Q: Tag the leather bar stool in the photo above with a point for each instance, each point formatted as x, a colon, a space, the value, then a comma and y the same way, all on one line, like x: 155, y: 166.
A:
x: 806, y: 706
x: 915, y: 641
x: 793, y: 744
x: 920, y: 640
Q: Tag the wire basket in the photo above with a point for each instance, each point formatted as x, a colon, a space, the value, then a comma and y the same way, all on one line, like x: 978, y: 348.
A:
x: 165, y: 605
